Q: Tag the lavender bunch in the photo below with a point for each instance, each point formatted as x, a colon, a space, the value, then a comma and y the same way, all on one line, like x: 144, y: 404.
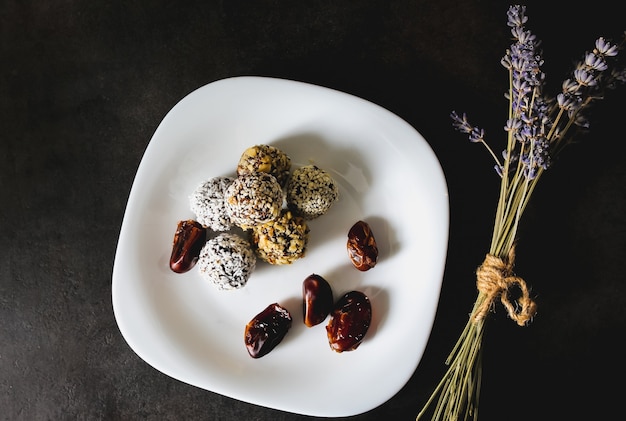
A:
x: 537, y: 129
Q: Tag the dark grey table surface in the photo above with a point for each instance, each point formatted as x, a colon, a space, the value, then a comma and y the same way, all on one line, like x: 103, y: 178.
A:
x: 84, y: 85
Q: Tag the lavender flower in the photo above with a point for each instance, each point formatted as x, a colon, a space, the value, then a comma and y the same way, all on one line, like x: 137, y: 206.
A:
x: 592, y: 75
x: 475, y: 134
x: 537, y: 124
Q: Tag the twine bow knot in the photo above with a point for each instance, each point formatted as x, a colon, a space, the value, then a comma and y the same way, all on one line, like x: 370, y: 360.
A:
x: 494, y: 277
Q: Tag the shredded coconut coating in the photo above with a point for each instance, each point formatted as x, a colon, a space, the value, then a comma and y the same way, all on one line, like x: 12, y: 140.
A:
x: 311, y: 191
x: 254, y: 199
x: 227, y: 261
x: 282, y: 241
x: 209, y: 204
x: 265, y: 158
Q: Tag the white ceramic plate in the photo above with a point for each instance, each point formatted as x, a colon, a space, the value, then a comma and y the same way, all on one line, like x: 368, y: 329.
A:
x: 388, y: 176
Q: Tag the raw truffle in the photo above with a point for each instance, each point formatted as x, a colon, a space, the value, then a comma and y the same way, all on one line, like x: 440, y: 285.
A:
x: 208, y: 203
x: 282, y: 241
x: 227, y: 261
x: 254, y: 199
x: 311, y: 191
x: 267, y: 159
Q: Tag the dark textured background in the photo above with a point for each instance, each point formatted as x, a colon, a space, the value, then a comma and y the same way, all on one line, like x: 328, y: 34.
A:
x: 84, y: 84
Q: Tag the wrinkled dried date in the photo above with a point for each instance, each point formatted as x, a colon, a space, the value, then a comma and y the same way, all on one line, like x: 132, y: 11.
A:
x: 266, y: 330
x: 189, y: 238
x: 362, y: 247
x: 317, y: 299
x: 349, y: 321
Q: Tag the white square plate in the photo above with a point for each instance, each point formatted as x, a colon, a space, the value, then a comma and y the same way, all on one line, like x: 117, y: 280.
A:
x: 388, y: 177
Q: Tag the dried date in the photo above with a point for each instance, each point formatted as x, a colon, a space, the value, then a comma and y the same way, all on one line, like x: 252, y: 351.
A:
x: 349, y: 321
x: 362, y: 247
x: 266, y: 330
x: 189, y: 238
x: 317, y: 298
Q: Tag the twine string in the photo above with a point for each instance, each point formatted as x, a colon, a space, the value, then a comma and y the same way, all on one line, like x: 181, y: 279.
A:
x: 494, y: 277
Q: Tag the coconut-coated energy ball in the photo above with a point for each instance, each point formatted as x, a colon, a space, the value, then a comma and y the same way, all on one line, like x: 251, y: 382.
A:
x: 311, y: 191
x: 227, y: 261
x: 209, y: 204
x: 254, y: 199
x: 282, y: 241
x: 265, y: 158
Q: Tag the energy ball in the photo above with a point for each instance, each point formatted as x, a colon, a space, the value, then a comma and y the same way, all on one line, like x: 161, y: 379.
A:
x: 227, y: 261
x: 282, y: 241
x: 311, y: 191
x: 209, y: 204
x: 267, y: 159
x: 254, y: 199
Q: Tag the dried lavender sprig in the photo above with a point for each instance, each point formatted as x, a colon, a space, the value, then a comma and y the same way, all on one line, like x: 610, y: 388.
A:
x: 592, y: 76
x: 527, y: 106
x: 526, y: 128
x: 531, y: 131
x: 536, y: 124
x: 476, y: 134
